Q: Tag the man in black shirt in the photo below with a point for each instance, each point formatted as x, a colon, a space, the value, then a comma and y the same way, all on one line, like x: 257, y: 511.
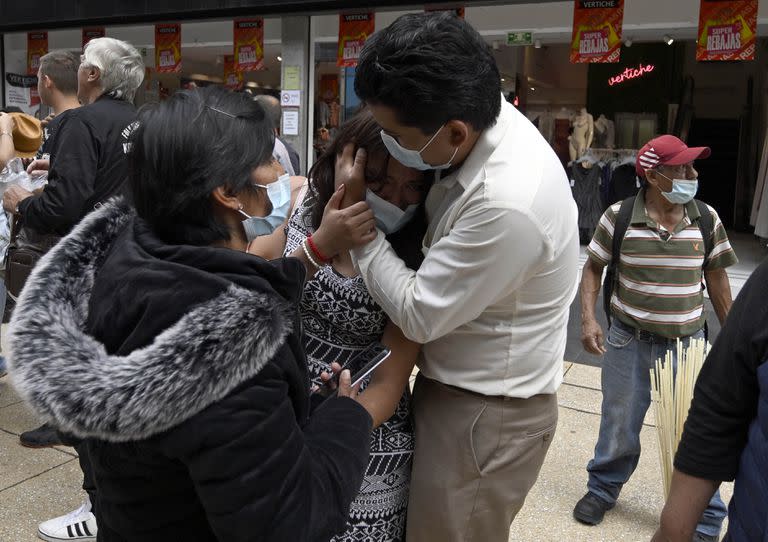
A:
x: 726, y: 433
x: 57, y: 86
x: 87, y: 167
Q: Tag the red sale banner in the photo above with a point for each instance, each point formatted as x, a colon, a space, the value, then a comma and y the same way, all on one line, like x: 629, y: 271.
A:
x: 167, y: 48
x: 597, y: 26
x: 727, y: 30
x: 37, y: 46
x: 93, y: 33
x: 232, y: 78
x: 354, y: 30
x: 249, y: 44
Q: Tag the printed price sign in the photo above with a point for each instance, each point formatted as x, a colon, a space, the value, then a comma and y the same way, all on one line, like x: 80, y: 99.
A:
x: 232, y: 78
x: 727, y: 30
x: 168, y: 48
x: 249, y: 44
x: 597, y: 27
x: 37, y: 47
x: 354, y: 30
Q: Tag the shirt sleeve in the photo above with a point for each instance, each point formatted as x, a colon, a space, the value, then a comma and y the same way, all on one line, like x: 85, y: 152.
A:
x: 489, y: 252
x: 600, y: 250
x: 722, y: 255
x: 70, y: 181
x: 726, y: 394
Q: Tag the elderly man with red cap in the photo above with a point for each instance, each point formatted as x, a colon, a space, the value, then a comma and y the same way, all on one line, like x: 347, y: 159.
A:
x: 660, y: 247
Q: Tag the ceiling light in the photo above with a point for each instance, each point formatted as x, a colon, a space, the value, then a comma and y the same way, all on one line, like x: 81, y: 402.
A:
x: 503, y: 80
x: 279, y: 58
x: 533, y: 89
x: 628, y: 42
x: 669, y: 40
x: 537, y: 44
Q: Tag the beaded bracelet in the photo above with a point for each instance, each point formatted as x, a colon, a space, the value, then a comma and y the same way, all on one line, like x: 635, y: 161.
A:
x: 309, y: 256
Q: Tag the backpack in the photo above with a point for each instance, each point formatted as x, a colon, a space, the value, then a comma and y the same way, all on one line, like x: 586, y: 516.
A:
x: 706, y: 225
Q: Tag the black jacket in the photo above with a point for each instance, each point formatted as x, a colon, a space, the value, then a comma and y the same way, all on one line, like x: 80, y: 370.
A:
x: 88, y: 166
x: 187, y: 379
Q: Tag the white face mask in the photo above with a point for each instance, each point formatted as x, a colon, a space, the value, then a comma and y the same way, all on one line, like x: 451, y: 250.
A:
x: 389, y: 218
x: 411, y: 158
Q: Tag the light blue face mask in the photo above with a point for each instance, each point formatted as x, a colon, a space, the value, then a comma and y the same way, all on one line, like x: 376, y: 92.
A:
x: 411, y: 158
x: 279, y: 193
x: 389, y: 217
x: 683, y: 190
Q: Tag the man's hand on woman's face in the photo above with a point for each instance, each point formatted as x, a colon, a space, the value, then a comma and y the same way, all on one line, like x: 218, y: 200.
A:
x: 344, y: 229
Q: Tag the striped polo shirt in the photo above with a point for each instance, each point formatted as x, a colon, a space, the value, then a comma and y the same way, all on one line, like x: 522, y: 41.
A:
x: 660, y: 272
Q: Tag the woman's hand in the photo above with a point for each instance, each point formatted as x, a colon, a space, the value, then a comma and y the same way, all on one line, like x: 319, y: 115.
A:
x: 344, y: 385
x: 344, y: 229
x: 350, y: 172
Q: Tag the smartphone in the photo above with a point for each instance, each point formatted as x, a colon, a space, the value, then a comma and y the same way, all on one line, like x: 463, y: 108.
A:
x: 364, y: 363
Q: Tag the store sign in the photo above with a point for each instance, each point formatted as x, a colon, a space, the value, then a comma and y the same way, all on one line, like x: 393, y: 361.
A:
x: 459, y: 12
x: 37, y: 46
x: 19, y: 92
x: 354, y: 30
x: 167, y: 48
x: 249, y: 44
x: 631, y: 73
x: 597, y: 27
x: 520, y: 38
x: 727, y: 30
x: 93, y: 33
x: 232, y: 77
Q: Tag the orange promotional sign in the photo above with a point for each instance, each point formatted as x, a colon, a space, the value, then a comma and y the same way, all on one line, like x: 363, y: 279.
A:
x: 37, y: 46
x: 597, y: 27
x: 459, y: 12
x: 168, y: 48
x: 232, y: 78
x: 354, y: 30
x: 93, y: 33
x: 249, y: 44
x: 727, y: 30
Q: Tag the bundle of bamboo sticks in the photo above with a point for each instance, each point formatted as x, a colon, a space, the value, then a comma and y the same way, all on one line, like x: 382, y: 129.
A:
x: 672, y: 388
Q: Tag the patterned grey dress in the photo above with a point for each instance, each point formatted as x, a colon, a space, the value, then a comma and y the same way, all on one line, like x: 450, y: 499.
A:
x: 341, y: 319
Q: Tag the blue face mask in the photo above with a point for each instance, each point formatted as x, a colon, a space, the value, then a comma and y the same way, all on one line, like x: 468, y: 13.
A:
x: 411, y: 158
x: 683, y: 190
x: 279, y: 193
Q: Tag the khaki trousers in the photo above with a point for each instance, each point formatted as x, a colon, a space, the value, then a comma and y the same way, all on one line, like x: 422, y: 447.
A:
x: 476, y: 458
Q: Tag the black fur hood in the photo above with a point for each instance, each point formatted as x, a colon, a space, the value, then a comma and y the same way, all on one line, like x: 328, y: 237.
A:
x: 70, y: 379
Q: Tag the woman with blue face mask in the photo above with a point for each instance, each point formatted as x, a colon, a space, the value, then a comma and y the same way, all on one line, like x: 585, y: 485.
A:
x: 341, y: 319
x: 187, y: 379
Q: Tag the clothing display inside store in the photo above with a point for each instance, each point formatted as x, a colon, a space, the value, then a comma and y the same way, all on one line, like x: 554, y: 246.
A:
x: 759, y: 217
x: 605, y: 132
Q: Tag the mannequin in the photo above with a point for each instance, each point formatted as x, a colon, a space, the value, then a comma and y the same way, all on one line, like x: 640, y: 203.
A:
x: 547, y: 125
x: 605, y: 132
x: 583, y: 133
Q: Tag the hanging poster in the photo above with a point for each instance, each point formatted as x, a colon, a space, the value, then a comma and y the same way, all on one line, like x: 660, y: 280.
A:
x: 93, y: 33
x: 232, y: 78
x: 249, y: 44
x: 354, y: 30
x: 167, y: 48
x: 597, y: 26
x: 459, y: 12
x: 37, y: 46
x: 18, y: 92
x: 727, y: 30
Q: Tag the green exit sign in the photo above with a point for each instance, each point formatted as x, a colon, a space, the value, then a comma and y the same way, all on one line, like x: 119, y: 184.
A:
x: 520, y: 38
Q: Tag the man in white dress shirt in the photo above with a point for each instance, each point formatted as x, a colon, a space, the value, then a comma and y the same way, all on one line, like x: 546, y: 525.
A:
x: 491, y: 300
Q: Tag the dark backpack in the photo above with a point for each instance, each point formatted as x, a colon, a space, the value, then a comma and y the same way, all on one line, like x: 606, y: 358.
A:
x: 706, y: 225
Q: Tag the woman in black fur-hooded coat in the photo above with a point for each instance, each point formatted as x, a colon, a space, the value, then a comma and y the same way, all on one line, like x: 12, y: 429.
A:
x: 174, y: 357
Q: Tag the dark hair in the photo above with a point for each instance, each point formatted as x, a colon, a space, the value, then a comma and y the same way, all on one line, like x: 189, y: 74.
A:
x: 61, y: 67
x: 11, y: 109
x: 431, y: 68
x: 184, y: 148
x: 271, y: 106
x: 365, y: 132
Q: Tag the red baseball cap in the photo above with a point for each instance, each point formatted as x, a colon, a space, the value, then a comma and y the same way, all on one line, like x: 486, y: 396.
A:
x: 667, y: 150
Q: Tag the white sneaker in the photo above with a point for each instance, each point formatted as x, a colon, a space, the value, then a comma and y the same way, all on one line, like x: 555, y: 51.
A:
x: 77, y: 525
